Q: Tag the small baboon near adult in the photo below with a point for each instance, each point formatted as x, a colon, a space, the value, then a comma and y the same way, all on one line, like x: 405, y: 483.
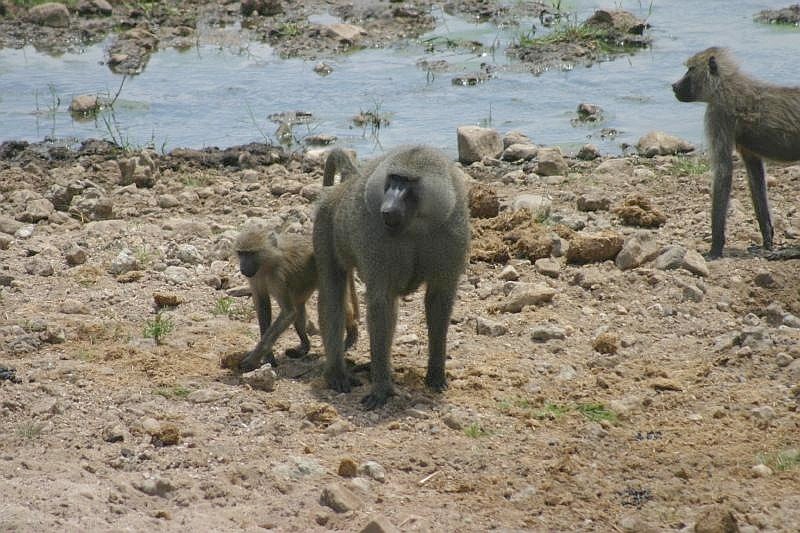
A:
x: 760, y: 120
x: 282, y: 266
x: 401, y: 221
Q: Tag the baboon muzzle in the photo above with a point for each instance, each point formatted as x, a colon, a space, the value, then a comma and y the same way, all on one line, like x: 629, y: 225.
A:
x: 394, y: 206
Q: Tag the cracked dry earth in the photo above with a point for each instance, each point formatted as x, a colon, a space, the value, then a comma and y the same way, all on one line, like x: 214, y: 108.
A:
x: 650, y: 399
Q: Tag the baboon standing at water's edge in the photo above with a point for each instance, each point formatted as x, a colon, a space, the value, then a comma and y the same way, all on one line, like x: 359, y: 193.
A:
x: 761, y: 120
x: 401, y: 221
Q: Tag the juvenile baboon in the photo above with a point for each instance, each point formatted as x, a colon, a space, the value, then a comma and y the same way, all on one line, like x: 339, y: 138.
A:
x: 282, y: 266
x: 401, y: 221
x: 761, y: 120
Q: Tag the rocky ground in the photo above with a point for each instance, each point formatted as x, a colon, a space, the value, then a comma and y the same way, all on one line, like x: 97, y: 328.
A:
x: 603, y: 375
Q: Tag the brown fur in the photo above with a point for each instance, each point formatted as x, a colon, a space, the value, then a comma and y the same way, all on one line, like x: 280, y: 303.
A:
x: 760, y: 120
x: 286, y: 270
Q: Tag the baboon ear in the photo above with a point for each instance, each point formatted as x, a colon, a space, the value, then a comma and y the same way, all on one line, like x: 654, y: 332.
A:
x: 713, y: 68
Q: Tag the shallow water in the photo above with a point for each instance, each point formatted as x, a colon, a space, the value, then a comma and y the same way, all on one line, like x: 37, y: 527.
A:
x: 220, y: 93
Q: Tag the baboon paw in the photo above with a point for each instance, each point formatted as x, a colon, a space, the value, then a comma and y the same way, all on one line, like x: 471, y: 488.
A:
x: 711, y: 255
x: 438, y: 384
x: 249, y: 364
x: 376, y: 399
x: 340, y: 382
x: 295, y: 353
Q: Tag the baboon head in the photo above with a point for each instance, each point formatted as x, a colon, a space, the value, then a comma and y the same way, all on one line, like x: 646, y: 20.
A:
x: 702, y: 79
x: 400, y: 197
x: 251, y: 244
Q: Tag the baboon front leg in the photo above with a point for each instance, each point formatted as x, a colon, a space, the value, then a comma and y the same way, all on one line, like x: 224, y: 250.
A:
x: 332, y: 287
x: 438, y: 308
x: 263, y: 350
x: 263, y: 312
x: 381, y: 321
x: 758, y: 192
x: 719, y: 204
x: 300, y: 323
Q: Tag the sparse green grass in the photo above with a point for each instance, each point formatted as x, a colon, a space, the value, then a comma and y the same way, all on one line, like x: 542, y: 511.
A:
x: 29, y: 430
x: 551, y: 411
x: 692, y: 166
x: 596, y: 412
x: 195, y: 180
x: 171, y: 393
x: 158, y: 327
x: 783, y: 460
x: 475, y: 431
x: 288, y: 29
x: 223, y: 306
x: 593, y: 411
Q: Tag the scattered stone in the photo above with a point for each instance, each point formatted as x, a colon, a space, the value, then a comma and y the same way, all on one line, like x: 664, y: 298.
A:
x: 124, y: 262
x: 51, y: 14
x: 787, y: 15
x: 373, y: 470
x: 717, y: 519
x: 321, y: 414
x: 348, y: 34
x: 520, y: 152
x: 204, y: 396
x: 491, y: 328
x: 139, y: 169
x: 593, y: 201
x: 606, y: 343
x: 380, y: 524
x: 548, y: 267
x: 589, y: 113
x: 588, y: 152
x: 483, y: 202
x: 617, y: 166
x: 675, y: 256
x: 546, y: 332
x: 84, y: 105
x: 75, y: 255
x: 525, y: 294
x: 551, y: 162
x: 262, y: 378
x: 179, y: 275
x: 36, y: 210
x: 692, y: 293
x: 761, y: 470
x: 659, y: 143
x: 594, y: 247
x: 39, y: 266
x: 263, y: 8
x: 538, y: 205
x: 509, y: 273
x: 154, y: 487
x: 323, y: 69
x: 339, y: 498
x: 636, y: 210
x: 348, y: 467
x: 90, y: 8
x: 638, y: 249
x: 114, y: 433
x: 475, y: 143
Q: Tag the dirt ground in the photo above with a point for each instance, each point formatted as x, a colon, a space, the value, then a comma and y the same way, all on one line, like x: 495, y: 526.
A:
x: 632, y: 400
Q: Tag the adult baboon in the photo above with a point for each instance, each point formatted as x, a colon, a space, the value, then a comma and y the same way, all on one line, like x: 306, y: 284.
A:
x: 761, y: 120
x: 282, y: 266
x: 401, y: 221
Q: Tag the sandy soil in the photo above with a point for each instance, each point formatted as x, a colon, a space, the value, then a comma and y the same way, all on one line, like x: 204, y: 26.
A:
x: 662, y: 400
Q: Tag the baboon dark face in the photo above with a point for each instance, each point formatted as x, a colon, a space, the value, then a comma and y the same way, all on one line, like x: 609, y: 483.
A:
x: 249, y: 262
x: 700, y: 79
x: 683, y: 88
x: 399, y: 202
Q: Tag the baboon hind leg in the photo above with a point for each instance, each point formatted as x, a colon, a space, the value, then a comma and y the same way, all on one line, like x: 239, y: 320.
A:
x: 351, y: 307
x: 758, y: 191
x: 300, y: 323
x: 332, y: 287
x: 438, y: 309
